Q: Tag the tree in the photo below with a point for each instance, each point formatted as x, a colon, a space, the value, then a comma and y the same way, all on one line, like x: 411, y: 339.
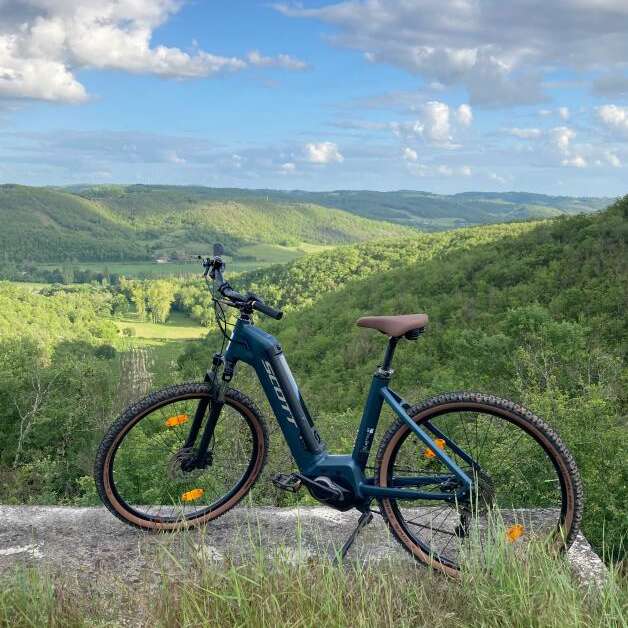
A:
x: 119, y: 304
x: 137, y: 291
x: 160, y: 297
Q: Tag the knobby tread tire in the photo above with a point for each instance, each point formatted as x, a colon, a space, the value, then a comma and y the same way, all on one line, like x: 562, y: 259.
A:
x: 425, y: 409
x: 142, y: 408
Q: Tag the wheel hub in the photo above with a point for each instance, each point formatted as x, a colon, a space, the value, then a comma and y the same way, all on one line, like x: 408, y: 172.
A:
x: 184, y: 466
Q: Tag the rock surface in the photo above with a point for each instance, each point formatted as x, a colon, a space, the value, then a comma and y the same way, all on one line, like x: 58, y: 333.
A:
x: 87, y: 540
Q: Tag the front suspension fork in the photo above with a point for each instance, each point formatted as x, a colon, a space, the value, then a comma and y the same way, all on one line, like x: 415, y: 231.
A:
x: 217, y: 401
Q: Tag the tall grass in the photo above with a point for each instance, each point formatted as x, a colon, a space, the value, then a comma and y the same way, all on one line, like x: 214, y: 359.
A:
x: 514, y: 586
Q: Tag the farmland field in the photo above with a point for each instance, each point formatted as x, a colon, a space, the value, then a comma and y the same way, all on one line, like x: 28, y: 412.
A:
x: 255, y: 256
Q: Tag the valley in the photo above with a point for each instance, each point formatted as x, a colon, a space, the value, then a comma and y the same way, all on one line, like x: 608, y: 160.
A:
x: 531, y: 310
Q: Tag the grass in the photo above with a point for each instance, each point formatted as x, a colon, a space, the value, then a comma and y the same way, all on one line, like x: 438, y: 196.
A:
x: 514, y: 587
x: 277, y: 254
x: 164, y: 342
x: 34, y: 286
x: 178, y: 327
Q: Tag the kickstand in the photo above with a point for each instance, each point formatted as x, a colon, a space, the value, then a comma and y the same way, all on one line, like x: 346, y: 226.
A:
x: 365, y: 518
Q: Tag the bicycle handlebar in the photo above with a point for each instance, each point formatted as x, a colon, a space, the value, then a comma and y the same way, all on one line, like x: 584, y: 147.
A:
x: 266, y: 309
x: 214, y: 267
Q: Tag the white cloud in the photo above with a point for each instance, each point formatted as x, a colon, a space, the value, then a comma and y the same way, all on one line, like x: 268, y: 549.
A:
x: 496, y: 177
x: 323, y: 153
x: 563, y: 113
x: 446, y: 171
x: 41, y: 79
x: 499, y: 51
x: 561, y: 137
x: 288, y: 168
x: 287, y: 62
x: 173, y: 157
x: 410, y: 154
x: 524, y: 134
x: 464, y: 115
x: 436, y: 127
x: 612, y: 159
x: 614, y: 118
x: 44, y: 42
x: 577, y: 161
x: 435, y: 124
x: 438, y: 170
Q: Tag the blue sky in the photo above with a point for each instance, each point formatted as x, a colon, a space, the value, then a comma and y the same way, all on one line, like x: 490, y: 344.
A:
x: 445, y: 96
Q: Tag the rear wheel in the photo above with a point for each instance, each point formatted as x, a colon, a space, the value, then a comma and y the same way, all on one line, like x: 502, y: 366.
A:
x: 140, y: 467
x: 525, y: 480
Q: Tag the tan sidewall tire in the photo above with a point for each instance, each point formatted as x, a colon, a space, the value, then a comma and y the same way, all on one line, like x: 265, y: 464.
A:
x: 517, y: 415
x: 125, y: 423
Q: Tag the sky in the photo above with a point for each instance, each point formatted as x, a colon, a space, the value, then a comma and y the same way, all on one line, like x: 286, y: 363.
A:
x: 437, y: 95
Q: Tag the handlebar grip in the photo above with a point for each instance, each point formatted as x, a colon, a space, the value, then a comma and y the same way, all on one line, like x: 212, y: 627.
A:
x: 266, y: 309
x: 227, y: 292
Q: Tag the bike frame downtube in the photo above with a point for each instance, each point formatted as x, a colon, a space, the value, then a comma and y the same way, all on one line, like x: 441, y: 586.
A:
x: 255, y: 347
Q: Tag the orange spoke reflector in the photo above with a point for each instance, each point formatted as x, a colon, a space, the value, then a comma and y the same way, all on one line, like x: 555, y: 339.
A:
x: 440, y: 443
x: 177, y: 420
x: 190, y: 496
x: 514, y: 532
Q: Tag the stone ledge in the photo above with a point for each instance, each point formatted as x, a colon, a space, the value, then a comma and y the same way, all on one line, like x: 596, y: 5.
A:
x: 84, y: 540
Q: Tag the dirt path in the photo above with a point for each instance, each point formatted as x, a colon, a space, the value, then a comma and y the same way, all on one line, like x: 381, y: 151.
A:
x: 87, y: 540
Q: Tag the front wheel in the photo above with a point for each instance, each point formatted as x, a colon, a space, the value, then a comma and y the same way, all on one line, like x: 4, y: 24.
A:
x: 141, y: 468
x: 525, y: 481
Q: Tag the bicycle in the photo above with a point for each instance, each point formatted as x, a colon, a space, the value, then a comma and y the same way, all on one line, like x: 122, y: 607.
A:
x: 185, y: 455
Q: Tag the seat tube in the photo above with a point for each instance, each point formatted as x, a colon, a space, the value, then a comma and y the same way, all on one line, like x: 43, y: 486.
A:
x: 370, y: 418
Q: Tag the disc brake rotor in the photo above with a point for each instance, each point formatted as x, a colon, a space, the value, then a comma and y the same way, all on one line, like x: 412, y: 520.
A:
x: 176, y: 472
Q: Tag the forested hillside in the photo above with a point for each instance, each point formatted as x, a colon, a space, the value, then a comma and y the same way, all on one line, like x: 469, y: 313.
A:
x: 119, y: 223
x: 115, y: 223
x: 305, y: 280
x: 436, y: 212
x: 538, y: 316
x: 40, y: 224
x: 58, y: 386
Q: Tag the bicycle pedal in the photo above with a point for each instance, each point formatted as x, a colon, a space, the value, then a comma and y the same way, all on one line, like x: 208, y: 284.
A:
x: 287, y: 482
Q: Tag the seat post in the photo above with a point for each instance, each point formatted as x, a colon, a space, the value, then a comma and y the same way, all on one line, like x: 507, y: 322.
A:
x: 390, y: 352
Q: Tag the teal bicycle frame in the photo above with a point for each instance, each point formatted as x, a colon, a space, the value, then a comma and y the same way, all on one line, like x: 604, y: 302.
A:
x: 262, y: 351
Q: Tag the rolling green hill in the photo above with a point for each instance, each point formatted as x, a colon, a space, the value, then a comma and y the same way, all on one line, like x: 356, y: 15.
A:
x: 427, y: 211
x: 536, y: 314
x: 305, y: 280
x: 437, y: 212
x: 119, y: 223
x: 125, y: 223
x: 41, y: 224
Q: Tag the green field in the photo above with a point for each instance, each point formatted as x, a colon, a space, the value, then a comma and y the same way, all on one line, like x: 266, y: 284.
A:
x: 178, y: 327
x: 263, y: 255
